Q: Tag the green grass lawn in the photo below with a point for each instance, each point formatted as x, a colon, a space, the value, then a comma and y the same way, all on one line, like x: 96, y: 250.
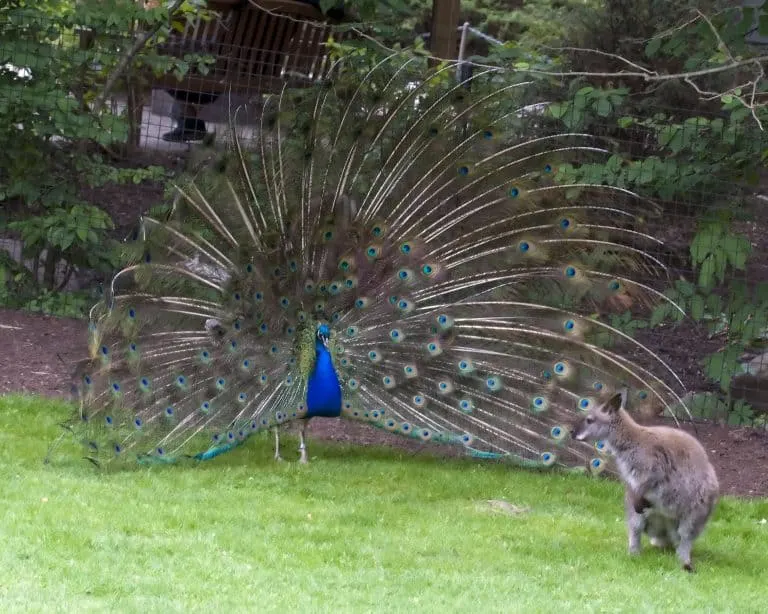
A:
x: 358, y: 530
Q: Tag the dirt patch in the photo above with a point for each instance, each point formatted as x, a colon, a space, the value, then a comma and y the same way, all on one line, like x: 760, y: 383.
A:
x: 38, y: 354
x: 682, y: 346
x: 740, y: 456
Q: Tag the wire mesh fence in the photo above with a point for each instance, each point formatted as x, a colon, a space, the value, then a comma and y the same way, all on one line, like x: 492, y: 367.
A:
x: 170, y: 87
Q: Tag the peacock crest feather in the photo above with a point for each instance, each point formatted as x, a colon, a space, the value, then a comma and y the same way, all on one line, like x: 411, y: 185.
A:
x: 394, y: 250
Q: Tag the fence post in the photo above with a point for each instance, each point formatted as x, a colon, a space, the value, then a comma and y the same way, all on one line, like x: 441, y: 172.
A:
x: 443, y: 37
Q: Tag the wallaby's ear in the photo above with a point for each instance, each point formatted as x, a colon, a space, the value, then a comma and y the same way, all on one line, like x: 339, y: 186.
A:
x: 615, y: 402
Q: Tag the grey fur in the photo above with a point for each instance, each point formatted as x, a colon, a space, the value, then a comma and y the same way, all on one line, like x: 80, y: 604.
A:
x: 671, y: 487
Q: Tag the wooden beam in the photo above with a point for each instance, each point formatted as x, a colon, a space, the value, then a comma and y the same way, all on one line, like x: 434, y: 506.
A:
x: 443, y: 40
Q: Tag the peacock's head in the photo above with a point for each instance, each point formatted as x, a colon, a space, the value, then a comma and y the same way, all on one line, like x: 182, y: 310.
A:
x: 323, y: 333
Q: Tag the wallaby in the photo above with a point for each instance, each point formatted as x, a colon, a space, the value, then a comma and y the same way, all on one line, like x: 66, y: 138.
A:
x: 671, y: 487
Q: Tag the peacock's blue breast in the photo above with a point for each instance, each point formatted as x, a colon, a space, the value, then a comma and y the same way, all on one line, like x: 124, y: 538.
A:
x: 323, y: 387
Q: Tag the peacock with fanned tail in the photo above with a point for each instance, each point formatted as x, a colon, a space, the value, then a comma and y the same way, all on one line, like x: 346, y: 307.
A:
x: 394, y: 250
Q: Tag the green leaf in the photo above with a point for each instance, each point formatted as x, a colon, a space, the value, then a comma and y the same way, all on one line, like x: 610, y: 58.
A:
x: 737, y: 250
x: 763, y: 25
x: 741, y: 413
x: 66, y: 241
x: 660, y: 313
x: 722, y: 366
x: 652, y: 48
x: 747, y: 19
x: 704, y: 243
x: 604, y: 107
x: 707, y: 273
x: 626, y: 122
x: 613, y: 165
x: 697, y: 307
x: 720, y: 263
x: 575, y: 119
x: 714, y: 304
x: 685, y: 288
x: 672, y: 137
x: 706, y: 405
x: 646, y: 172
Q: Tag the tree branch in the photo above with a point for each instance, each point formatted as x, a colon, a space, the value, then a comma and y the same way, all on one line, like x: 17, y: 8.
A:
x: 754, y: 100
x: 128, y: 56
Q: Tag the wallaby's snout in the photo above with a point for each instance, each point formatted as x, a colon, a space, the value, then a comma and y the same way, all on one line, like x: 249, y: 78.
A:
x: 580, y: 430
x: 586, y: 429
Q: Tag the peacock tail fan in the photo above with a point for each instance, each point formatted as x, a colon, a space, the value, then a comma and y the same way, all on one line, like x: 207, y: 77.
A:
x: 462, y: 280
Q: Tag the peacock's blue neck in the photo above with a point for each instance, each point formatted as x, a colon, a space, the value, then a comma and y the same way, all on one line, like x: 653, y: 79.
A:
x: 323, y: 387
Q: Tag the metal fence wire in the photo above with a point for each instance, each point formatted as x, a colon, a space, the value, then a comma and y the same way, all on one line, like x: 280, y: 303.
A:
x: 699, y: 160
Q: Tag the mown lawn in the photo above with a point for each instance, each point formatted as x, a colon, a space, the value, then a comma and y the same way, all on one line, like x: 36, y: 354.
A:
x: 358, y: 530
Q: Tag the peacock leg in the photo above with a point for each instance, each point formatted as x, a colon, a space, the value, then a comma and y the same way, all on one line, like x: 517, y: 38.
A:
x: 277, y: 444
x: 303, y: 443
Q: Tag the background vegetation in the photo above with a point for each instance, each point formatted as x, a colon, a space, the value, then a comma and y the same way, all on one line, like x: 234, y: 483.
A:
x: 699, y: 153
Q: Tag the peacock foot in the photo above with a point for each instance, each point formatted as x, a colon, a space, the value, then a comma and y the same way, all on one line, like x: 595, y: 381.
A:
x: 303, y: 443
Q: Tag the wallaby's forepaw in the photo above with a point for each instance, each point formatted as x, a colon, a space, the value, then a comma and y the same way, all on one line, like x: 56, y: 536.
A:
x: 641, y: 504
x: 688, y: 567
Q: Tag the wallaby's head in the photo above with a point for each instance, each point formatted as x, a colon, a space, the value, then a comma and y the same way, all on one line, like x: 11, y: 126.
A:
x: 601, y: 420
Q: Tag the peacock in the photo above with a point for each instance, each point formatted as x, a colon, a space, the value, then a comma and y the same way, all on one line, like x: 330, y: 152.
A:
x: 396, y: 247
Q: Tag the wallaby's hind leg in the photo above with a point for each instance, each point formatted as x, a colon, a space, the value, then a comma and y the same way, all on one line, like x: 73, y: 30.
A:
x: 672, y: 533
x: 684, y: 552
x: 689, y: 529
x: 635, y: 522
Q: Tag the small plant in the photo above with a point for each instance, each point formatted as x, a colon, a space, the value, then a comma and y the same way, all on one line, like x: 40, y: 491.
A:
x: 709, y: 406
x: 74, y: 237
x: 588, y: 102
x: 63, y: 304
x: 715, y: 250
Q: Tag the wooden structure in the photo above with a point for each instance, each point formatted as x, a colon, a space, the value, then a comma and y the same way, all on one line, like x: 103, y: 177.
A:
x: 443, y: 38
x: 257, y: 46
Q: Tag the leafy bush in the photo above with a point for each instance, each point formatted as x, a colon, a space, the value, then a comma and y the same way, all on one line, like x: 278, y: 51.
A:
x: 54, y: 143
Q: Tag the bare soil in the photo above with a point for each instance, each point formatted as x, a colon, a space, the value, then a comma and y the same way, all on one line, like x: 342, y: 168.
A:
x: 38, y: 353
